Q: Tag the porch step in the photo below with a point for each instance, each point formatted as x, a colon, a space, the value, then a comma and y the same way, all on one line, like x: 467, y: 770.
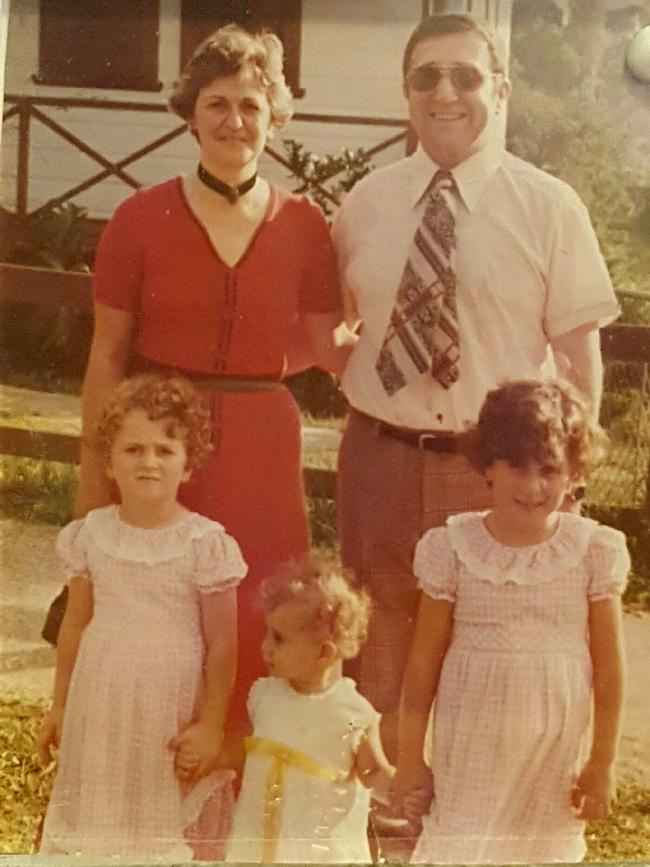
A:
x: 17, y: 655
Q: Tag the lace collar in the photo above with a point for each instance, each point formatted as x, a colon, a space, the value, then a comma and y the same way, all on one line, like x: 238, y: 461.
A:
x: 488, y: 559
x: 123, y: 541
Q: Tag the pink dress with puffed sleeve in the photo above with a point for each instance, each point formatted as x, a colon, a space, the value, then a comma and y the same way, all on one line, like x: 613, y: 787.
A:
x: 513, y: 705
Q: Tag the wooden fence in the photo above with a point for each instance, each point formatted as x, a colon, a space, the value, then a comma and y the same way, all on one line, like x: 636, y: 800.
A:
x: 29, y: 110
x: 45, y: 287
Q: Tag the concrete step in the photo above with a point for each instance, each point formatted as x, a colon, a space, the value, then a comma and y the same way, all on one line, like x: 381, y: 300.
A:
x: 27, y: 684
x: 20, y: 623
x: 17, y: 655
x: 30, y: 578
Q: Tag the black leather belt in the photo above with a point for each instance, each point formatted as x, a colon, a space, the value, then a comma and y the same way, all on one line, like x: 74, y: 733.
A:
x: 208, y: 381
x: 440, y: 442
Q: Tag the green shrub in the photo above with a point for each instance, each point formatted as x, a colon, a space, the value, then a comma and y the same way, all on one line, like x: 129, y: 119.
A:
x: 53, y: 340
x: 318, y: 394
x: 315, y: 173
x: 37, y: 491
x: 636, y: 526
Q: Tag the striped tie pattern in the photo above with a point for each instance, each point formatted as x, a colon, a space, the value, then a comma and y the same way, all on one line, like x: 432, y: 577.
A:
x: 422, y: 334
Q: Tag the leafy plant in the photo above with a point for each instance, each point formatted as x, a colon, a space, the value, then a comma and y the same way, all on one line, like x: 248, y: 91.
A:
x: 559, y: 118
x: 315, y: 173
x: 55, y: 339
x: 317, y: 393
x: 36, y: 491
x: 55, y: 237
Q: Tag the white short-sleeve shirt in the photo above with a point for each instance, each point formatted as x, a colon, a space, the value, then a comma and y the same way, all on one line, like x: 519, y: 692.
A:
x: 529, y: 268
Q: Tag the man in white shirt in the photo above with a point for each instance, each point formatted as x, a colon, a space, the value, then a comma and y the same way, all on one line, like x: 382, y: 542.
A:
x: 531, y: 289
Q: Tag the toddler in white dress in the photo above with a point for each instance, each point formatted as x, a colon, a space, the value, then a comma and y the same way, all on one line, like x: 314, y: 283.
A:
x: 315, y: 752
x: 146, y: 653
x: 518, y: 632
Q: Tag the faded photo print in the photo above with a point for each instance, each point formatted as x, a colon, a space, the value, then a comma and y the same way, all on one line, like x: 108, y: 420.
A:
x: 325, y: 431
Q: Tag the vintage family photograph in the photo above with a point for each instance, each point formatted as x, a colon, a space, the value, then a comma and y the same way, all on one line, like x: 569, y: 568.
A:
x: 325, y: 431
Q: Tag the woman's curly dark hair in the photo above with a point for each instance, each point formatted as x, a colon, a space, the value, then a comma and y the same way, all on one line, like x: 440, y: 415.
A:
x: 172, y: 399
x: 335, y: 609
x: 531, y: 420
x: 226, y: 52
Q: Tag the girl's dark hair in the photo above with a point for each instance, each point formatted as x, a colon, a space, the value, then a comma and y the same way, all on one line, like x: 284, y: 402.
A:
x: 227, y: 51
x: 531, y: 420
x: 170, y: 398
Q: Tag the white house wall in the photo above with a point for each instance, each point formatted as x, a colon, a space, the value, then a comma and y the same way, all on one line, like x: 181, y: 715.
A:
x: 350, y: 65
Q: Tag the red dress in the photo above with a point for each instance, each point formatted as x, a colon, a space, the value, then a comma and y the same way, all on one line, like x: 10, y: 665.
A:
x: 194, y: 313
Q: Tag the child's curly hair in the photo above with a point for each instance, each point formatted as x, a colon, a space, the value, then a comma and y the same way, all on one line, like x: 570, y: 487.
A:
x: 170, y: 398
x: 532, y: 420
x: 337, y: 609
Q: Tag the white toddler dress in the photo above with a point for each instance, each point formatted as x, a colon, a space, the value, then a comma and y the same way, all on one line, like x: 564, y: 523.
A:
x: 514, y: 698
x: 135, y: 685
x: 307, y: 738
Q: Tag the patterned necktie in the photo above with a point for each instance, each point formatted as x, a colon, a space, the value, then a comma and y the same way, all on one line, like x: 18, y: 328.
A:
x: 423, y: 332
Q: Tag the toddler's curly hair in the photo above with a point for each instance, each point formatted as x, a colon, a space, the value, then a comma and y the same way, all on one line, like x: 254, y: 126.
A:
x: 172, y: 399
x: 535, y: 420
x: 336, y: 608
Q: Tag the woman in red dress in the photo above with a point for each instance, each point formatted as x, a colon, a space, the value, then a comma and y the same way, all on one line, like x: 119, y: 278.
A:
x: 230, y: 281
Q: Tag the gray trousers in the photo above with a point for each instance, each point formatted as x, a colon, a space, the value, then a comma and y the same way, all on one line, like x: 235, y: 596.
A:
x: 389, y: 494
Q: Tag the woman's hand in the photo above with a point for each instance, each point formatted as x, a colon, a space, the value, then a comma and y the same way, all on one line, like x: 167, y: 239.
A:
x: 594, y: 791
x: 197, y: 748
x: 49, y: 735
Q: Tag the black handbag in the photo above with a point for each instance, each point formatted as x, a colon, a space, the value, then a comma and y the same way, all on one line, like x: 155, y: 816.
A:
x: 50, y: 631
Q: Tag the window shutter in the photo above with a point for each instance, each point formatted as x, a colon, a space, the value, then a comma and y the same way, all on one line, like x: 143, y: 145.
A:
x: 110, y: 44
x: 199, y: 18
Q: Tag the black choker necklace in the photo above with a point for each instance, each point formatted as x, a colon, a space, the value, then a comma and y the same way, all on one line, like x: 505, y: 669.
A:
x: 230, y: 193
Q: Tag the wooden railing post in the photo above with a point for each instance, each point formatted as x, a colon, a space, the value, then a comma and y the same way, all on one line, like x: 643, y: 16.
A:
x: 22, y: 180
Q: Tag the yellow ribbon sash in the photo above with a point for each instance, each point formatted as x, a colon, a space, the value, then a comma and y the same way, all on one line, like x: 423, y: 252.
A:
x: 282, y: 758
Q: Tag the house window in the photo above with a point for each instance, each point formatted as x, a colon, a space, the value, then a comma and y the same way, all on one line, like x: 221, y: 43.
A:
x: 111, y: 44
x: 199, y: 18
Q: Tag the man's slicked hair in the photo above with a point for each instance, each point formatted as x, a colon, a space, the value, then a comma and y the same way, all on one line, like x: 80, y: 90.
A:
x: 445, y: 25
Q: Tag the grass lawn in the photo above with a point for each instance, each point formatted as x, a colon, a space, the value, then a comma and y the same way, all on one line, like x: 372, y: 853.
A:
x: 25, y: 787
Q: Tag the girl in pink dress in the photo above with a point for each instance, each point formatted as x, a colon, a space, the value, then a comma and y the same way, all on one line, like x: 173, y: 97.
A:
x: 518, y: 634
x: 147, y: 649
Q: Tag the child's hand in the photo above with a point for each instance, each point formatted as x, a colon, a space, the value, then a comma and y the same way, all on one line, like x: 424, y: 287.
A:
x: 594, y: 791
x: 185, y: 764
x: 405, y: 783
x: 49, y: 735
x: 411, y: 794
x: 197, y: 750
x: 416, y: 803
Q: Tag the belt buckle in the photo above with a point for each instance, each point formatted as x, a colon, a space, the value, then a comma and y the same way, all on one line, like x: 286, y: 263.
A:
x: 423, y: 438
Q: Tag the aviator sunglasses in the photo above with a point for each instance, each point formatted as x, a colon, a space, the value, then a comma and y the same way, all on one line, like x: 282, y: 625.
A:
x: 463, y: 76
